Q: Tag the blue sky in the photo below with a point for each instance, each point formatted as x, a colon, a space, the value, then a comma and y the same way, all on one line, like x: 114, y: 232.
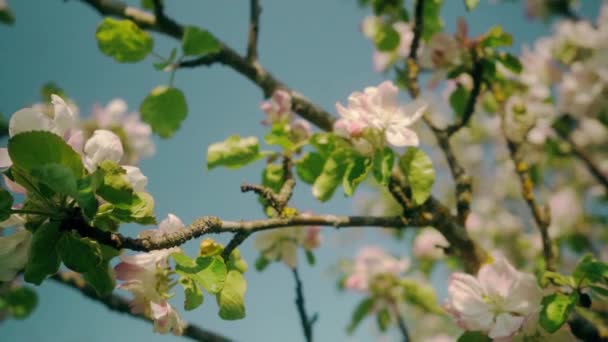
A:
x: 313, y: 46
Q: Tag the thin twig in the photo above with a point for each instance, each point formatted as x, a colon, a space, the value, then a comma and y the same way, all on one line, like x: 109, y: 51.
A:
x: 254, y: 28
x: 400, y: 322
x: 121, y: 305
x: 477, y: 76
x: 581, y: 154
x: 306, y: 322
x: 541, y: 215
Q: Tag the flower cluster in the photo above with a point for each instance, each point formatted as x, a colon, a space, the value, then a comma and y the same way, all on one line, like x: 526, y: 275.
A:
x: 282, y: 244
x: 375, y: 117
x: 147, y: 277
x: 278, y: 112
x: 370, y: 263
x: 497, y: 302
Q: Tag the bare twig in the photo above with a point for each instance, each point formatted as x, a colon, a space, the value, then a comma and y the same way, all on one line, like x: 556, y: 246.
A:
x: 400, y: 322
x: 306, y: 322
x: 213, y: 225
x: 254, y: 28
x: 541, y: 215
x: 581, y: 154
x: 477, y: 76
x: 121, y: 305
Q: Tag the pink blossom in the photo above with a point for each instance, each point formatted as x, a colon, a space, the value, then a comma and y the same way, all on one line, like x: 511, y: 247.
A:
x: 428, y: 244
x: 377, y: 109
x: 372, y: 261
x: 277, y: 108
x: 282, y: 244
x: 496, y: 302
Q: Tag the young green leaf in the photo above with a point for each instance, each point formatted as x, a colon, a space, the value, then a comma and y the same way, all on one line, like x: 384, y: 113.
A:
x: 383, y: 319
x: 44, y: 259
x: 383, y: 164
x: 471, y: 4
x: 420, y: 295
x: 431, y: 13
x: 114, y: 186
x: 261, y: 263
x: 272, y: 177
x: 387, y: 38
x: 510, y: 62
x: 473, y: 336
x: 233, y: 153
x: 357, y: 170
x: 458, y: 100
x: 6, y: 203
x: 85, y: 197
x: 309, y: 167
x: 32, y: 150
x: 330, y: 178
x: 418, y: 169
x: 123, y: 40
x: 231, y: 298
x: 208, y: 272
x: 57, y: 177
x: 79, y: 254
x: 590, y: 270
x: 363, y: 309
x: 310, y: 258
x: 164, y: 109
x: 496, y: 37
x: 193, y: 295
x: 20, y: 301
x: 101, y: 279
x: 555, y: 310
x: 198, y: 42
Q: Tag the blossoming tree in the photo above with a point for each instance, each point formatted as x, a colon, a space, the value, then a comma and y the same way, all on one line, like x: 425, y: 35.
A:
x: 502, y: 181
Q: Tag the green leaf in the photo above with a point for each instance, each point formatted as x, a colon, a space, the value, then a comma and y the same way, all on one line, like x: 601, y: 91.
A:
x: 331, y: 176
x: 272, y: 177
x: 261, y: 263
x: 420, y: 295
x: 471, y: 4
x: 357, y: 170
x: 101, y: 279
x: 123, y: 40
x: 510, y: 62
x: 555, y: 310
x: 387, y: 38
x: 21, y: 301
x: 6, y: 203
x: 233, y: 153
x: 6, y: 16
x: 458, y: 100
x: 142, y: 209
x: 164, y: 109
x: 160, y: 66
x: 309, y: 167
x: 147, y: 4
x: 193, y: 295
x: 590, y: 270
x: 230, y: 298
x: 79, y: 254
x: 44, y: 259
x: 32, y: 150
x: 383, y: 319
x: 208, y: 272
x: 85, y: 197
x: 496, y: 37
x: 383, y: 165
x: 473, y: 336
x: 432, y: 19
x: 599, y: 290
x: 418, y: 169
x: 198, y: 42
x: 49, y: 89
x: 363, y: 309
x: 57, y: 177
x: 279, y: 135
x: 310, y: 257
x: 114, y: 186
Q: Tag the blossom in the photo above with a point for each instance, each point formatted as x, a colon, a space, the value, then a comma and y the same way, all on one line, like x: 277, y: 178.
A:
x: 277, y: 108
x: 146, y: 276
x: 282, y: 244
x: 136, y: 178
x: 136, y: 135
x: 371, y: 26
x: 103, y: 145
x: 442, y: 51
x: 370, y: 262
x: 497, y: 302
x: 14, y: 251
x: 429, y: 244
x: 377, y: 109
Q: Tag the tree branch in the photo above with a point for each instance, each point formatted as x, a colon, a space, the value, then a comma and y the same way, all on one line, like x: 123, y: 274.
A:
x: 213, y: 225
x: 541, y: 216
x: 581, y: 154
x: 306, y: 322
x: 254, y: 28
x: 121, y: 305
x: 226, y: 56
x: 477, y: 75
x: 400, y: 322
